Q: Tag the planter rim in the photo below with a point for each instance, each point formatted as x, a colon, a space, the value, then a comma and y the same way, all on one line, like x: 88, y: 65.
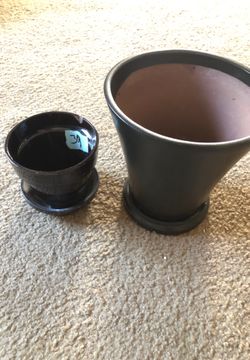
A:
x: 54, y: 172
x: 196, y: 55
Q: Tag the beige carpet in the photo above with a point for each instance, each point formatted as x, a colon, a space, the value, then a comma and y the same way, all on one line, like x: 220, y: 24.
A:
x: 94, y: 285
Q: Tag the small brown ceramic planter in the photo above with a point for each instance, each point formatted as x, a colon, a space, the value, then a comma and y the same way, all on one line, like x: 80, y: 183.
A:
x: 54, y: 154
x: 183, y: 121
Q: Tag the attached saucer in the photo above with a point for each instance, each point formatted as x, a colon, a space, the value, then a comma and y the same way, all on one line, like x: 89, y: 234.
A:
x: 163, y: 227
x: 65, y: 204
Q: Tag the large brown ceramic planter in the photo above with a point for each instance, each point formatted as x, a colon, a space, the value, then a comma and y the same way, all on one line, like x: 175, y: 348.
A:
x: 183, y: 118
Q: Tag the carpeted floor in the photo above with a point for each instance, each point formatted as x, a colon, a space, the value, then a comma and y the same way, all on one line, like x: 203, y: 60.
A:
x: 94, y: 285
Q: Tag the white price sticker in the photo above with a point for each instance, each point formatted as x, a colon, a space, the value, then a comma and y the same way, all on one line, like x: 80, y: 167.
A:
x: 76, y: 140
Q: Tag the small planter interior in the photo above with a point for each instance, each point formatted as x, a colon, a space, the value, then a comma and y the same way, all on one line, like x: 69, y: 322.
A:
x: 188, y: 102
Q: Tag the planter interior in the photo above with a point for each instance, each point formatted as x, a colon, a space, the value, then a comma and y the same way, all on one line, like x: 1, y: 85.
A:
x: 186, y: 101
x: 39, y: 142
